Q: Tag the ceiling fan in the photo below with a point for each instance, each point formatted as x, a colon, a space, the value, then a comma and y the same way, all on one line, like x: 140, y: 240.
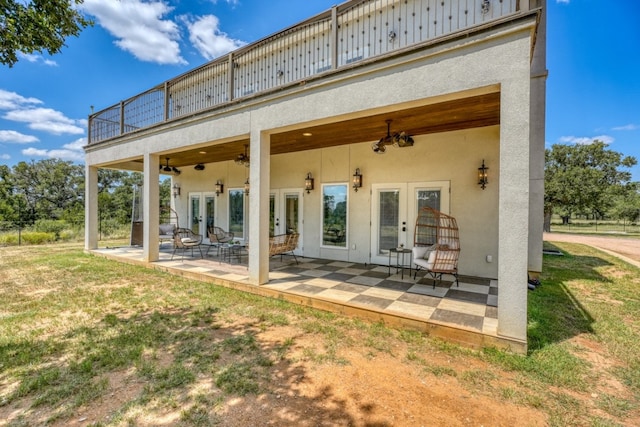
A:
x: 170, y: 169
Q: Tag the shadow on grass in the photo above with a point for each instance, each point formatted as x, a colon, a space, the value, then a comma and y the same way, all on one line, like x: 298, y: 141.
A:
x: 185, y: 359
x: 555, y: 314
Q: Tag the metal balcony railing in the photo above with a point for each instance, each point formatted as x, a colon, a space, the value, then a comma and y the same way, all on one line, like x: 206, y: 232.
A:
x: 341, y: 37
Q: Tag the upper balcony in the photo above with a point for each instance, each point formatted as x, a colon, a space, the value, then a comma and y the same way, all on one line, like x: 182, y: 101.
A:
x: 349, y: 35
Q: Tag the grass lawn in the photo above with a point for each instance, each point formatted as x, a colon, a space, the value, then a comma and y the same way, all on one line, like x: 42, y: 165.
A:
x: 89, y: 341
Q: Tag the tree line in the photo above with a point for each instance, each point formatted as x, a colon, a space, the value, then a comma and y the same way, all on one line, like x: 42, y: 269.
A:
x: 52, y: 191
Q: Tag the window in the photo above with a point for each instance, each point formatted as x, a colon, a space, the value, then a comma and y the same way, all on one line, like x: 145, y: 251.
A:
x: 236, y: 213
x: 334, y: 215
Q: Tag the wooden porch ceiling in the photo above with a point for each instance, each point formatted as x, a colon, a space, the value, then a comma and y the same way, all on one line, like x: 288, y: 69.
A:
x: 476, y: 111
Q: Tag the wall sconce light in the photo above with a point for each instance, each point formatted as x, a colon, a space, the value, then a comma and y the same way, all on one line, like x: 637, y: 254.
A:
x: 485, y: 6
x: 308, y: 182
x: 219, y: 188
x: 246, y: 187
x: 176, y: 190
x: 482, y: 176
x: 357, y: 180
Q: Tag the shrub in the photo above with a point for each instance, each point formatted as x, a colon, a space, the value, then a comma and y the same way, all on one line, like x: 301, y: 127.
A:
x: 50, y: 226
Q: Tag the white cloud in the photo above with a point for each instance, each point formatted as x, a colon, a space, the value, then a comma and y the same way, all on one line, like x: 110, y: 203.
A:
x: 5, y: 156
x: 46, y: 120
x: 630, y: 126
x: 587, y: 139
x: 71, y: 151
x: 15, y: 137
x: 139, y: 28
x: 563, y: 1
x: 30, y: 57
x: 207, y: 38
x: 11, y: 100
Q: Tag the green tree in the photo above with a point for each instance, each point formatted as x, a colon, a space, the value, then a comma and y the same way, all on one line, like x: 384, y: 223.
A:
x: 49, y: 189
x: 37, y: 25
x: 584, y: 178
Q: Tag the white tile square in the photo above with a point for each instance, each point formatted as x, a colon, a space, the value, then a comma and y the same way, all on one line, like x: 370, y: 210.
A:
x: 315, y: 273
x: 469, y: 287
x: 490, y: 326
x: 365, y: 280
x: 463, y: 307
x: 323, y: 283
x: 409, y: 309
x: 428, y: 290
x: 340, y: 264
x: 383, y: 293
x: 337, y: 295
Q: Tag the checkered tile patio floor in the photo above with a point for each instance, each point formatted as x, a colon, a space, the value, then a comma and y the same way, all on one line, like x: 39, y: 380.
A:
x: 471, y: 306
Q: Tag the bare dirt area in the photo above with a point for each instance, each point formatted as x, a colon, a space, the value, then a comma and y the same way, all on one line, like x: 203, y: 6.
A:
x: 628, y: 247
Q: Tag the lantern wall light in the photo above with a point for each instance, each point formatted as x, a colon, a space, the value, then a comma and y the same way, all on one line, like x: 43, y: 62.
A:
x: 176, y: 190
x: 357, y: 180
x: 308, y: 183
x: 483, y: 176
x: 219, y: 188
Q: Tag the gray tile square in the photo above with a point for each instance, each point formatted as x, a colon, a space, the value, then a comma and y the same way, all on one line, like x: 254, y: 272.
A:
x: 307, y: 289
x: 365, y: 280
x: 466, y: 296
x: 396, y: 286
x: 331, y: 268
x: 338, y: 277
x: 426, y: 300
x: 492, y: 312
x: 350, y: 287
x: 376, y: 274
x: 468, y: 320
x: 429, y: 281
x: 380, y: 303
x: 474, y: 280
x: 492, y: 300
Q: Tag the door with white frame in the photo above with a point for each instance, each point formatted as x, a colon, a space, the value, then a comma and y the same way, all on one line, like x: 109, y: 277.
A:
x: 285, y: 213
x: 202, y: 212
x: 394, y: 208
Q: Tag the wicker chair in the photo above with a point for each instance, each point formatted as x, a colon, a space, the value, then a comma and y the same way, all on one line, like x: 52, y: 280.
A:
x: 436, y: 245
x: 185, y: 239
x: 218, y: 236
x: 282, y: 244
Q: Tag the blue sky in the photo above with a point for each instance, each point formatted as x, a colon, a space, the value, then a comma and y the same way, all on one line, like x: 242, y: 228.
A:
x: 593, y: 89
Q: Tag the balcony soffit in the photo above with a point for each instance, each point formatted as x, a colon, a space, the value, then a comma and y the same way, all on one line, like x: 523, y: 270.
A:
x: 459, y: 114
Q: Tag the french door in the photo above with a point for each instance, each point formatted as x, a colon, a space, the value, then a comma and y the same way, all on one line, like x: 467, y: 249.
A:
x: 394, y: 209
x: 202, y: 212
x: 285, y: 213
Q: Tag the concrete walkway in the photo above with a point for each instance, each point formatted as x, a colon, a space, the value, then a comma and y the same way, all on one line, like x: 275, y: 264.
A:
x: 625, y: 248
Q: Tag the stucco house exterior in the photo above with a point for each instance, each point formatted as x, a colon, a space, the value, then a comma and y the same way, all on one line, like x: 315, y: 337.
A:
x: 461, y: 81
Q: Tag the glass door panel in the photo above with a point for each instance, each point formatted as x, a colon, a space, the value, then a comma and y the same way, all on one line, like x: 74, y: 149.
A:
x: 285, y: 207
x: 195, y: 216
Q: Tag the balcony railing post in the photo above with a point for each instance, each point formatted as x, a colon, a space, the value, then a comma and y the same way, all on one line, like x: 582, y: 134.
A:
x: 230, y: 85
x: 334, y: 37
x: 166, y: 101
x: 89, y: 123
x: 121, y: 117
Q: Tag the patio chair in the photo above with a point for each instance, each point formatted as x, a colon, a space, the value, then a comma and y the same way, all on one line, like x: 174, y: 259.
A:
x: 436, y: 245
x: 282, y: 244
x: 218, y: 236
x: 185, y: 239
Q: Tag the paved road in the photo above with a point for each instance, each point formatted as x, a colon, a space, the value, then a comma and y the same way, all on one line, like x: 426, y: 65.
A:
x: 626, y: 248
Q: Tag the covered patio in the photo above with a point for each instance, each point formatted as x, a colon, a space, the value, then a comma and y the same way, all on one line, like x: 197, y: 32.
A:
x: 466, y: 314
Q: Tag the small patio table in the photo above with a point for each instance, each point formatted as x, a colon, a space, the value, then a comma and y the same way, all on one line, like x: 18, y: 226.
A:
x: 400, y: 263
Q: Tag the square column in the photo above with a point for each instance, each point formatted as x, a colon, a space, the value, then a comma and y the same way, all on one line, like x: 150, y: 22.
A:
x: 151, y: 208
x: 91, y: 208
x: 513, y: 207
x: 259, y: 184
